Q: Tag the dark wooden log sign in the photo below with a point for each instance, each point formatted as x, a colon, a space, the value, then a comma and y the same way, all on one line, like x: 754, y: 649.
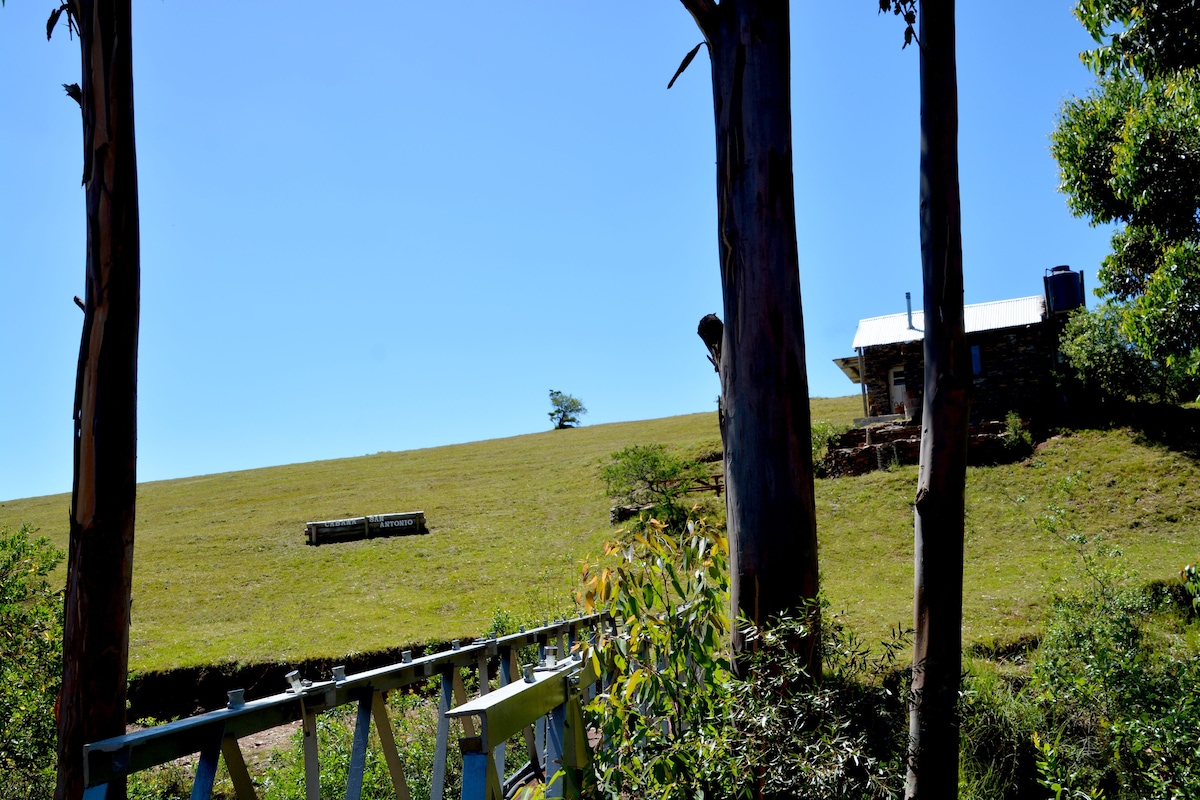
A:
x: 369, y: 527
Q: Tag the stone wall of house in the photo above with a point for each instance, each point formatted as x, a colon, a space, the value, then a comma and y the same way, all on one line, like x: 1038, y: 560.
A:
x: 1015, y: 371
x: 880, y: 360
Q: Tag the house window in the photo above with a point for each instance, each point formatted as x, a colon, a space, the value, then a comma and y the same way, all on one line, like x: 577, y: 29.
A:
x: 976, y: 362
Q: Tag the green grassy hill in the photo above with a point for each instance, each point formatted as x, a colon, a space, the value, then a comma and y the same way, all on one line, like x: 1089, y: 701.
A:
x: 222, y: 572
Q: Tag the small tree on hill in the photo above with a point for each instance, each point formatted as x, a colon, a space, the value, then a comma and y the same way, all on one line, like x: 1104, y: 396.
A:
x: 565, y: 410
x: 652, y: 479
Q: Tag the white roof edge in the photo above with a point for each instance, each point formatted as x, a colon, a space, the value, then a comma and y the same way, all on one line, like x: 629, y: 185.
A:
x: 994, y: 315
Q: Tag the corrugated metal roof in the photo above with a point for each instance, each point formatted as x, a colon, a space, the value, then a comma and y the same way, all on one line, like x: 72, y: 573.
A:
x: 978, y: 317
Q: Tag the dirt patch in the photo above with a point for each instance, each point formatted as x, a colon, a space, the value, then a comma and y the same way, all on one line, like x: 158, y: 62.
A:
x: 256, y: 749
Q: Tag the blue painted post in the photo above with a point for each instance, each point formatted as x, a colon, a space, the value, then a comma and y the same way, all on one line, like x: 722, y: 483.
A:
x: 358, y: 751
x: 437, y: 786
x: 206, y: 771
x: 555, y: 750
x: 97, y: 792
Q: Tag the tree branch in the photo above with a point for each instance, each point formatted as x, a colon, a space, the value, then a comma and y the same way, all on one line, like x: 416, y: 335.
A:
x: 702, y: 11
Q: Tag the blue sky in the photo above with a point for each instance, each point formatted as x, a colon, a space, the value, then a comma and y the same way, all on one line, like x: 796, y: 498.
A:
x: 390, y: 225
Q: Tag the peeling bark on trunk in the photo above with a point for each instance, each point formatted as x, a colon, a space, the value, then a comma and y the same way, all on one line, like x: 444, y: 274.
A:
x: 764, y: 385
x: 100, y: 557
x: 940, y: 505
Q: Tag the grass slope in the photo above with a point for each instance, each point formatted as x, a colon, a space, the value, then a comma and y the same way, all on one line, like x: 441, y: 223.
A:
x: 222, y: 573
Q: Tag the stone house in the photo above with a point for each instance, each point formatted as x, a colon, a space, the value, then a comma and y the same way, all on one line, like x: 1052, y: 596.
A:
x: 1013, y: 345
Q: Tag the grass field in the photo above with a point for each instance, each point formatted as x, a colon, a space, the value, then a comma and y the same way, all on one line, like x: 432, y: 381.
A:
x: 222, y: 572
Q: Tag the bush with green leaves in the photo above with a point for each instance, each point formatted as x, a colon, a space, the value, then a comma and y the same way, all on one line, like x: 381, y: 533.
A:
x: 824, y: 435
x: 31, y: 618
x: 652, y: 479
x: 660, y: 716
x: 414, y: 724
x: 1190, y: 576
x: 841, y: 736
x: 676, y: 722
x: 1116, y: 677
x: 1110, y: 366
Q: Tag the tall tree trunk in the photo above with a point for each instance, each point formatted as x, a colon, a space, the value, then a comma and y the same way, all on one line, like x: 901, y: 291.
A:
x: 100, y: 557
x: 764, y: 385
x: 940, y: 506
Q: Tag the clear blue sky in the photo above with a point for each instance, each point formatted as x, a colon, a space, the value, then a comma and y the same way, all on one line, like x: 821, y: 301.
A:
x: 389, y: 225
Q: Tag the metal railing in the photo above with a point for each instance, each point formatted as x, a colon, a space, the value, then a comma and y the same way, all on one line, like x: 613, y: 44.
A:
x: 543, y: 702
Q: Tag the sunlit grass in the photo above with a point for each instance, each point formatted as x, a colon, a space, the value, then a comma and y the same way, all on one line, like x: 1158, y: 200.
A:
x: 222, y: 571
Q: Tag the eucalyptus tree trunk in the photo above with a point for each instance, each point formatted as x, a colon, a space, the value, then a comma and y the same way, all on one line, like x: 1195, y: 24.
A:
x: 764, y: 385
x: 100, y: 556
x: 940, y: 505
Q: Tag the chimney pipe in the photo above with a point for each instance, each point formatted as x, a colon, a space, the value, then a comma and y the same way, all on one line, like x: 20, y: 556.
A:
x: 908, y: 301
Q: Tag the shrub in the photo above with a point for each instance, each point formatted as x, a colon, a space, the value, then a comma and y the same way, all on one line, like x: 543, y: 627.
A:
x: 676, y: 722
x: 31, y: 618
x: 1108, y: 364
x: 824, y: 435
x: 1121, y: 708
x: 843, y: 736
x: 414, y: 723
x: 651, y: 478
x: 660, y: 716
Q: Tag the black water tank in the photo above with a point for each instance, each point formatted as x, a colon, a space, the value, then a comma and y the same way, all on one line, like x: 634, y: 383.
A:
x: 1064, y: 289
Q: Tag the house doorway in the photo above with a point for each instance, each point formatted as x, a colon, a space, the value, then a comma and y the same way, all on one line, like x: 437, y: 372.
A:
x: 896, y: 387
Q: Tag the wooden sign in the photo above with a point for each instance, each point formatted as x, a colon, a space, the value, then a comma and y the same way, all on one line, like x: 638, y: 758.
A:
x: 369, y: 527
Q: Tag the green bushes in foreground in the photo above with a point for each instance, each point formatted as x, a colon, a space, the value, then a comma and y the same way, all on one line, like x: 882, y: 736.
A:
x: 31, y: 618
x: 1107, y: 706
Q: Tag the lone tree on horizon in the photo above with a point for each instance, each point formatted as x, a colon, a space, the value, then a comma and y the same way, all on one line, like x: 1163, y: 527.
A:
x: 565, y: 410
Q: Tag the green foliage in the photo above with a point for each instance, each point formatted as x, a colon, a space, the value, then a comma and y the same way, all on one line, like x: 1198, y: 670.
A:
x: 1109, y: 365
x: 843, y: 736
x: 1190, y: 575
x: 997, y: 718
x: 1127, y: 154
x: 824, y: 434
x: 173, y: 781
x: 653, y: 478
x: 1017, y: 439
x: 31, y: 618
x: 1147, y: 37
x: 565, y: 410
x: 1117, y: 691
x: 660, y: 717
x: 676, y: 722
x: 414, y: 723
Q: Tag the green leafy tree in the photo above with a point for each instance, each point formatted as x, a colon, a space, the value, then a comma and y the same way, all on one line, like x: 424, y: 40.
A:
x: 1129, y: 154
x: 649, y: 477
x: 565, y: 410
x: 31, y: 618
x: 1109, y: 365
x: 1145, y: 36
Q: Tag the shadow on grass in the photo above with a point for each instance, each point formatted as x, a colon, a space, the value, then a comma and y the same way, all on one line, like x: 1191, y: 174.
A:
x: 1174, y: 427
